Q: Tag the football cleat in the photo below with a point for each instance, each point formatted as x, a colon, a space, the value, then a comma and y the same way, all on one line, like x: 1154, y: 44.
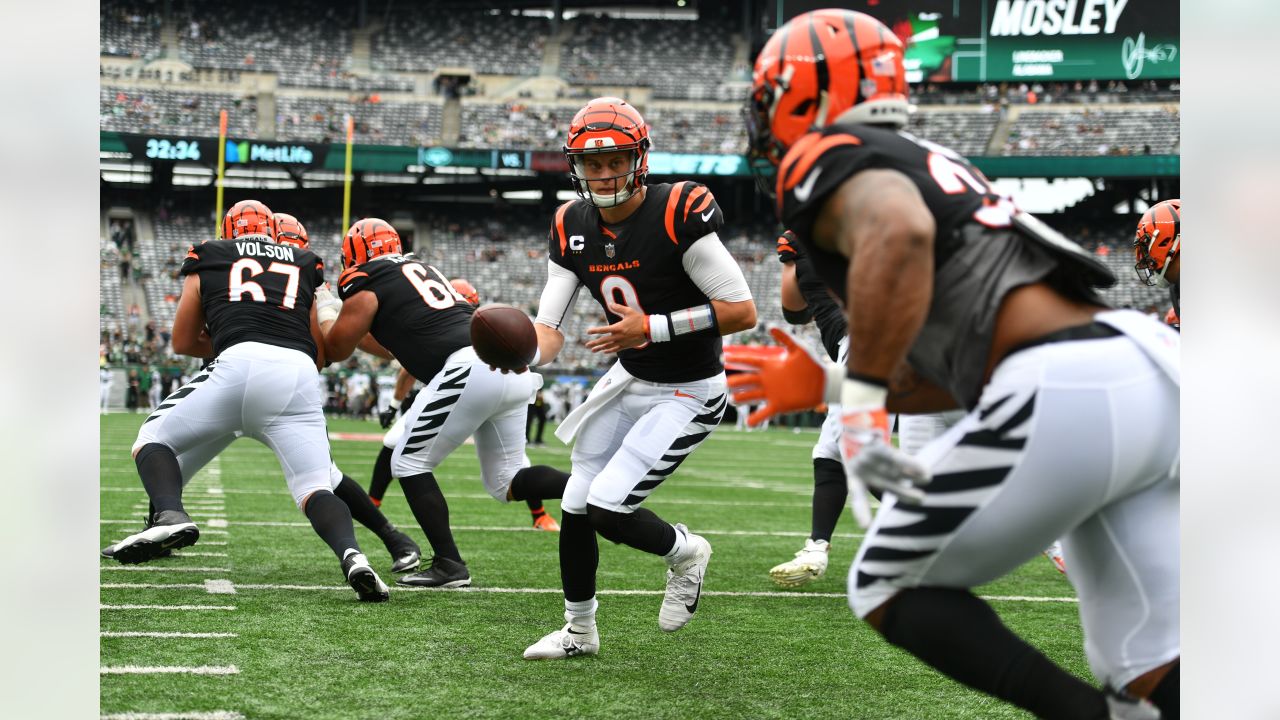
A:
x: 1123, y: 706
x: 405, y: 553
x: 361, y: 577
x: 546, y: 522
x: 809, y: 564
x: 565, y: 643
x: 1054, y: 553
x: 443, y: 573
x: 684, y: 583
x: 169, y: 530
x: 110, y: 550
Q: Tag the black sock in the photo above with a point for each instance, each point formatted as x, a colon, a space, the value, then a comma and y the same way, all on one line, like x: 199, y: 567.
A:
x: 429, y: 507
x: 960, y: 636
x: 830, y: 491
x: 579, y: 557
x: 381, y: 474
x: 640, y: 529
x: 535, y: 508
x: 161, y: 476
x: 1165, y: 696
x: 332, y: 521
x: 363, y: 510
x: 540, y: 482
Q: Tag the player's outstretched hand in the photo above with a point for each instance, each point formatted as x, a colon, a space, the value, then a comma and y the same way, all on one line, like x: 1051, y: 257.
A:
x: 629, y: 332
x: 787, y: 381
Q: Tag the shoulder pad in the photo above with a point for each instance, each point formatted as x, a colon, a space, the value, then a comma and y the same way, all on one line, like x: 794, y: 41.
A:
x: 691, y: 213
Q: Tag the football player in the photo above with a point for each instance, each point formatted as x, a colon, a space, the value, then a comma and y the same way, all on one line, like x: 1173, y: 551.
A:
x: 402, y: 396
x: 400, y: 308
x: 956, y: 296
x: 256, y: 299
x: 1156, y: 246
x: 649, y: 254
x: 804, y: 299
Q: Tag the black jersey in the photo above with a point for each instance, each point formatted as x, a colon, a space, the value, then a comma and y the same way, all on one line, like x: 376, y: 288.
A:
x: 254, y: 290
x: 421, y: 319
x: 827, y: 311
x: 984, y: 246
x: 639, y: 263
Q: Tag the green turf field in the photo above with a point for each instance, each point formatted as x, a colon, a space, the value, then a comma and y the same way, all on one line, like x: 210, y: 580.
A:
x: 289, y: 639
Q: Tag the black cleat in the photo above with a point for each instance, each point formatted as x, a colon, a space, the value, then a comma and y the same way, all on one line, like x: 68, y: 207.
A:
x: 361, y: 577
x: 405, y: 554
x: 443, y: 573
x: 168, y: 531
x: 110, y: 550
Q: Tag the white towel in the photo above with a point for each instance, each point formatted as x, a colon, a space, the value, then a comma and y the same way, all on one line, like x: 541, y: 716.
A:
x: 1160, y: 342
x: 609, y: 386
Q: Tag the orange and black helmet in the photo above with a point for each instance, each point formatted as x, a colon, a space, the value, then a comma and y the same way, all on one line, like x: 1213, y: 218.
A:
x: 367, y: 239
x: 288, y: 230
x: 822, y: 66
x: 247, y: 217
x: 466, y: 290
x: 1157, y: 241
x: 607, y: 125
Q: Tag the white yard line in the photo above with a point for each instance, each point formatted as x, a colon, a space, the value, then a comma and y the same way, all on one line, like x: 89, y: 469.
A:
x: 193, y: 635
x: 219, y: 587
x: 164, y: 568
x: 168, y: 669
x: 194, y: 608
x: 210, y: 715
x: 199, y: 554
x: 521, y: 529
x: 154, y: 586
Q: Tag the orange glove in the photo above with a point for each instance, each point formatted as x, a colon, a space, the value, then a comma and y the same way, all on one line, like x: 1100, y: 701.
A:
x: 788, y: 251
x: 787, y: 379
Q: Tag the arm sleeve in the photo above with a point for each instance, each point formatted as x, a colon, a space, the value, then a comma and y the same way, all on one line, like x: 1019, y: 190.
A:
x: 714, y: 270
x: 558, y: 296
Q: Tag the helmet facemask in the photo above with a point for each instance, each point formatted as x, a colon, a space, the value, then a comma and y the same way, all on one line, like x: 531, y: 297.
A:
x: 632, y: 178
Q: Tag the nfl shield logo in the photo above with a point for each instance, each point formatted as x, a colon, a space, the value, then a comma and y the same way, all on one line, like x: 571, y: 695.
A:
x: 608, y: 249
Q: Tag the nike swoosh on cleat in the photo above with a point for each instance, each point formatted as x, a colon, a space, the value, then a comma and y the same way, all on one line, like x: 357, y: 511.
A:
x: 694, y: 607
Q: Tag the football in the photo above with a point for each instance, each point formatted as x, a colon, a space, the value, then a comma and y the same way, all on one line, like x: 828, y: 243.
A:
x: 503, y: 336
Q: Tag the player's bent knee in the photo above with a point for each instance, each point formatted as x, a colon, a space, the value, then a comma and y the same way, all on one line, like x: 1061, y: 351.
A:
x: 142, y: 452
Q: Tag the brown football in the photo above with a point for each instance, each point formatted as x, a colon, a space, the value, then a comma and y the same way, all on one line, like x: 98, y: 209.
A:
x: 503, y: 336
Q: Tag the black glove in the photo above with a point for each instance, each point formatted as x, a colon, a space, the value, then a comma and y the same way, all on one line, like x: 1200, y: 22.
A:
x: 788, y: 249
x: 388, y: 416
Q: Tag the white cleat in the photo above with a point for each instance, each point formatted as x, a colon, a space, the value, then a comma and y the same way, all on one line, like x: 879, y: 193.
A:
x: 684, y: 584
x: 564, y: 643
x: 361, y: 577
x: 808, y: 565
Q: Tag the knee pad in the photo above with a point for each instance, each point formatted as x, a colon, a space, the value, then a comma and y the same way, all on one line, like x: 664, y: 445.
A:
x: 575, y: 495
x: 608, y: 523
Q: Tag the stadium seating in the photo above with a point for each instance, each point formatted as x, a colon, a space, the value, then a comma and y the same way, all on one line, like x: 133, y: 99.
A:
x: 316, y: 119
x: 129, y: 28
x: 678, y: 59
x: 519, y: 125
x: 1089, y: 131
x: 149, y: 110
x: 415, y: 39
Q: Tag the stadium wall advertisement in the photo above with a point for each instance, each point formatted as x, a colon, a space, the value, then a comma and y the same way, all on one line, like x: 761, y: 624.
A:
x: 1028, y: 40
x: 398, y: 159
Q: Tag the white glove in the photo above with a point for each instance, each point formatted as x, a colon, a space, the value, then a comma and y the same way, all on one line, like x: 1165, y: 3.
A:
x: 327, y: 306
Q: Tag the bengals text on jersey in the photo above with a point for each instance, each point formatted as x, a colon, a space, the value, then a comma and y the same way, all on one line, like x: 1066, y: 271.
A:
x: 638, y: 263
x: 254, y: 290
x: 421, y: 318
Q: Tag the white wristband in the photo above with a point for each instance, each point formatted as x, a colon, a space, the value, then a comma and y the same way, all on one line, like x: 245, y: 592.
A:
x: 327, y: 313
x: 393, y: 404
x: 861, y: 395
x: 537, y: 357
x: 835, y: 374
x: 659, y: 328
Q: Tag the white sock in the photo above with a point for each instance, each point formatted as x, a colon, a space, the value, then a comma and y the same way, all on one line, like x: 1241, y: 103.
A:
x: 581, y: 614
x: 677, y: 550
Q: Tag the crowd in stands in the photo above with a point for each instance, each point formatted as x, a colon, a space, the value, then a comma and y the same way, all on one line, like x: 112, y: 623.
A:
x: 151, y: 110
x: 487, y: 42
x: 1093, y: 132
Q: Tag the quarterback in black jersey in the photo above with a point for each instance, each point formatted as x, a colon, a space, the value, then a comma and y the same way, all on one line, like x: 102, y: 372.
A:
x: 398, y: 307
x: 649, y: 255
x: 954, y: 296
x: 255, y: 296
